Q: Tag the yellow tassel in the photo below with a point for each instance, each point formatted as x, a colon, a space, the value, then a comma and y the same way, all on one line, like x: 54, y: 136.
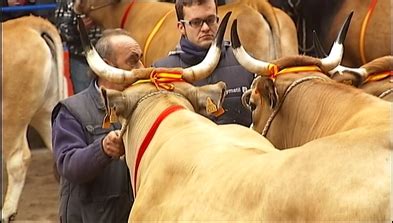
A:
x: 105, y: 123
x: 113, y: 116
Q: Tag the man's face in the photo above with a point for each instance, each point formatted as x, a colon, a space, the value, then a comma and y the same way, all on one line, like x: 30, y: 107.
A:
x: 204, y: 34
x: 126, y: 55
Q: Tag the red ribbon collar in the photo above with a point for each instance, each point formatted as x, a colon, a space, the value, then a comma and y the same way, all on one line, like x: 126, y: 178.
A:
x: 149, y: 137
x: 125, y: 15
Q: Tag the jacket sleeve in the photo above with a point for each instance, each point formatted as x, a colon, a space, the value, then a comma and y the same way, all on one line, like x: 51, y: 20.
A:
x: 75, y: 160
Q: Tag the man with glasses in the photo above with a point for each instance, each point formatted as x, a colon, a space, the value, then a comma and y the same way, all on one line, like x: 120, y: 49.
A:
x: 198, y: 23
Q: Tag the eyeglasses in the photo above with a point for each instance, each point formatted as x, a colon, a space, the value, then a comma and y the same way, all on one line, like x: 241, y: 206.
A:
x: 198, y: 23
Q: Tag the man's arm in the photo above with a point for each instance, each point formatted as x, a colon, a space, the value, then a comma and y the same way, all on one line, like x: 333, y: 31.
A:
x: 76, y: 161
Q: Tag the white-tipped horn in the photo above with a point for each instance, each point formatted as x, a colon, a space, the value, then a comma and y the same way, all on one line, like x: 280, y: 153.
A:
x: 209, y: 63
x: 361, y: 72
x: 336, y: 53
x: 104, y: 70
x: 244, y: 59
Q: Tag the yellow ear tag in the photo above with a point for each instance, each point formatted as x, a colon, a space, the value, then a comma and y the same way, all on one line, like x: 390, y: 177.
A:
x: 219, y: 112
x: 112, y: 115
x: 106, y: 123
x: 210, y: 106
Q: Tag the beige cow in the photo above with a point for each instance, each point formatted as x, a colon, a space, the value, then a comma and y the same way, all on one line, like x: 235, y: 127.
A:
x: 33, y: 82
x: 343, y: 134
x: 185, y: 168
x: 266, y: 31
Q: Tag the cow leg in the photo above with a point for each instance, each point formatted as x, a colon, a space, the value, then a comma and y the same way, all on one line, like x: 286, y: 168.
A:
x: 16, y: 164
x: 41, y: 123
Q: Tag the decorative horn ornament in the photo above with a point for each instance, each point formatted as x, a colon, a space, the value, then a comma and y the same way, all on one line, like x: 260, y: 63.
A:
x: 336, y: 53
x: 206, y: 67
x: 104, y: 70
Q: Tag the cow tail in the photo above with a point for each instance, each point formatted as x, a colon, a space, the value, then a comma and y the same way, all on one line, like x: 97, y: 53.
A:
x: 267, y: 11
x: 51, y: 36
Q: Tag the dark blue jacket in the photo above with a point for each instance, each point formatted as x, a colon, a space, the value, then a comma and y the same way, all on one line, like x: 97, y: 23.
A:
x: 237, y: 79
x: 93, y: 187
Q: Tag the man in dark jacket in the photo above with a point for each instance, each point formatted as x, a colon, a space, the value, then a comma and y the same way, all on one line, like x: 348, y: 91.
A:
x: 95, y: 183
x: 66, y: 23
x: 198, y: 24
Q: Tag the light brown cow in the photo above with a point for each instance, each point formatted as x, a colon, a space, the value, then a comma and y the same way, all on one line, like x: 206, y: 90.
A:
x: 33, y: 82
x: 346, y: 131
x: 186, y: 168
x: 267, y: 32
x: 375, y: 77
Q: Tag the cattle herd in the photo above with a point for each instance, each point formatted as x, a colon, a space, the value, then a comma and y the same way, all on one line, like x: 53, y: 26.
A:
x: 320, y: 145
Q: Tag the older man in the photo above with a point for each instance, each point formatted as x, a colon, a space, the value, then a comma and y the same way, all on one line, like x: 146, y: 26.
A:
x: 95, y: 184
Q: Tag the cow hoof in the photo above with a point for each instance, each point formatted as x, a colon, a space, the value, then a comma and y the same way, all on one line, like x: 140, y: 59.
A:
x: 9, y: 219
x: 12, y: 217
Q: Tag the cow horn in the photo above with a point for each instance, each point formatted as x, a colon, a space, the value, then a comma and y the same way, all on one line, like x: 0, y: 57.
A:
x: 244, y: 59
x: 104, y: 70
x: 207, y: 66
x: 262, y: 68
x: 336, y: 53
x: 360, y: 74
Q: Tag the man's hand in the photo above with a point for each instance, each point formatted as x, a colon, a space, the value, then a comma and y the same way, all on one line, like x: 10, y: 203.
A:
x: 113, y: 145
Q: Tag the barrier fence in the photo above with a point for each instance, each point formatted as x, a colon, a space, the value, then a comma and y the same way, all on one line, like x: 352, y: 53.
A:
x: 24, y: 8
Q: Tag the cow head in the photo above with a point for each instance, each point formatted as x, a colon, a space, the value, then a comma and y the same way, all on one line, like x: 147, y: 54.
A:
x: 358, y: 76
x: 206, y: 100
x: 263, y: 93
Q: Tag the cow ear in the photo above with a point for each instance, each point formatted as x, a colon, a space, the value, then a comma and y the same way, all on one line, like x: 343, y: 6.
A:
x: 114, y: 101
x: 268, y: 91
x: 207, y: 100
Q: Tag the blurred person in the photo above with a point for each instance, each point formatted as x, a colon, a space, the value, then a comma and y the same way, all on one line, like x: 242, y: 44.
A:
x: 66, y: 22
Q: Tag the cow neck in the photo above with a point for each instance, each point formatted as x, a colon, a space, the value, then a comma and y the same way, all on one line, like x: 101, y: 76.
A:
x: 287, y: 91
x: 313, y: 103
x: 148, y: 116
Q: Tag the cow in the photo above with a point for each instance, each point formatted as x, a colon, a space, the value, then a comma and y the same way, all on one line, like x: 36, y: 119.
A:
x: 186, y: 168
x: 374, y: 77
x: 305, y: 94
x: 32, y: 63
x: 153, y: 25
x: 369, y: 35
x: 295, y: 104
